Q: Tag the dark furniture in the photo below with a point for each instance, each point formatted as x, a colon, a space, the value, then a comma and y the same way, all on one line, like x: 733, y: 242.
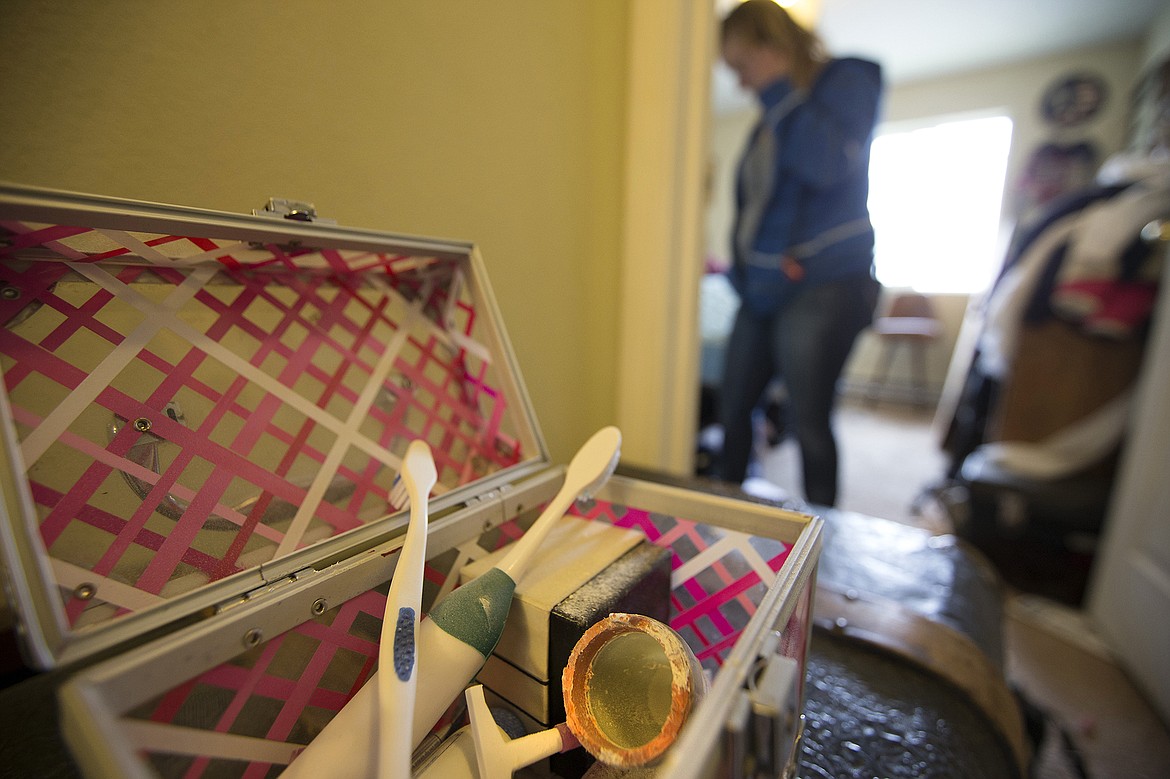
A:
x: 905, y: 676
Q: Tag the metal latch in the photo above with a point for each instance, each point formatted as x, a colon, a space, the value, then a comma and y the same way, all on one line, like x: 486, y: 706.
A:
x: 296, y: 210
x: 762, y: 729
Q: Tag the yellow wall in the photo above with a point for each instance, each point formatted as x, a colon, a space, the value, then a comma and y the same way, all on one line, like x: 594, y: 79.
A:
x: 1017, y: 89
x: 499, y: 123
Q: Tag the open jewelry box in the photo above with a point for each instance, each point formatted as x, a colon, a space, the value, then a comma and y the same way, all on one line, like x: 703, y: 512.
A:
x: 202, y: 419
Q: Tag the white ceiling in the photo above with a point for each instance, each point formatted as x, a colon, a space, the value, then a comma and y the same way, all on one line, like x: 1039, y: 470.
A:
x: 918, y: 39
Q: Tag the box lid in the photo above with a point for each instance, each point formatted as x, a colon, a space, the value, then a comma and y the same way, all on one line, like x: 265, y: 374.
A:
x: 198, y: 403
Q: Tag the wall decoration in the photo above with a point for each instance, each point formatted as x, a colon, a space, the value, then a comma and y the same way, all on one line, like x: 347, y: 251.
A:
x: 1074, y: 99
x: 1055, y: 169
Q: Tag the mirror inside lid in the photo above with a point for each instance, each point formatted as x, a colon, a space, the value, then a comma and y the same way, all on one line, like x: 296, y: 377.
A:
x: 191, y: 396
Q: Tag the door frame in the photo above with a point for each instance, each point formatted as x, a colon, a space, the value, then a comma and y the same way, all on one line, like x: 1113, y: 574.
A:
x: 1129, y: 594
x: 670, y: 49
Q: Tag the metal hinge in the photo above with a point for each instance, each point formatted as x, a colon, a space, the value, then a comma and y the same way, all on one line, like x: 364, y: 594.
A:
x: 265, y: 590
x: 296, y: 210
x: 490, y: 508
x: 490, y: 496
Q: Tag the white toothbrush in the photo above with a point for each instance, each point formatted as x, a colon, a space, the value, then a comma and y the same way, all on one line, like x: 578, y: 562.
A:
x: 397, y: 654
x: 588, y: 472
x: 455, y: 639
x: 462, y: 630
x: 496, y: 755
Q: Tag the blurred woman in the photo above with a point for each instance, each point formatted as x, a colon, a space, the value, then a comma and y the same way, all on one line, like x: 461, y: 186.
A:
x: 802, y: 245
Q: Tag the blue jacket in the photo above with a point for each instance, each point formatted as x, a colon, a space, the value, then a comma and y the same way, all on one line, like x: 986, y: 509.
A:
x: 803, y: 185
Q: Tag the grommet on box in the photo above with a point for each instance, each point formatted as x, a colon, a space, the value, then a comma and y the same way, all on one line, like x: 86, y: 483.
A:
x: 629, y: 686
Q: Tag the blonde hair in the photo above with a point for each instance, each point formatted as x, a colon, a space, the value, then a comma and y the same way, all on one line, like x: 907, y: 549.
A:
x: 765, y: 23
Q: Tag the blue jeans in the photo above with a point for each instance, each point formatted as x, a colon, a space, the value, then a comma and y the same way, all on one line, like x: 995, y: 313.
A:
x: 806, y: 344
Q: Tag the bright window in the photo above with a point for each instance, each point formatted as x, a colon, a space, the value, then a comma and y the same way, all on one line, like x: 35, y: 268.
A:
x: 935, y: 196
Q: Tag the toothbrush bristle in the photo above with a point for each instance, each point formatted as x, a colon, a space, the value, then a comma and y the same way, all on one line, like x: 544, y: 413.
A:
x: 399, y: 495
x: 592, y: 488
